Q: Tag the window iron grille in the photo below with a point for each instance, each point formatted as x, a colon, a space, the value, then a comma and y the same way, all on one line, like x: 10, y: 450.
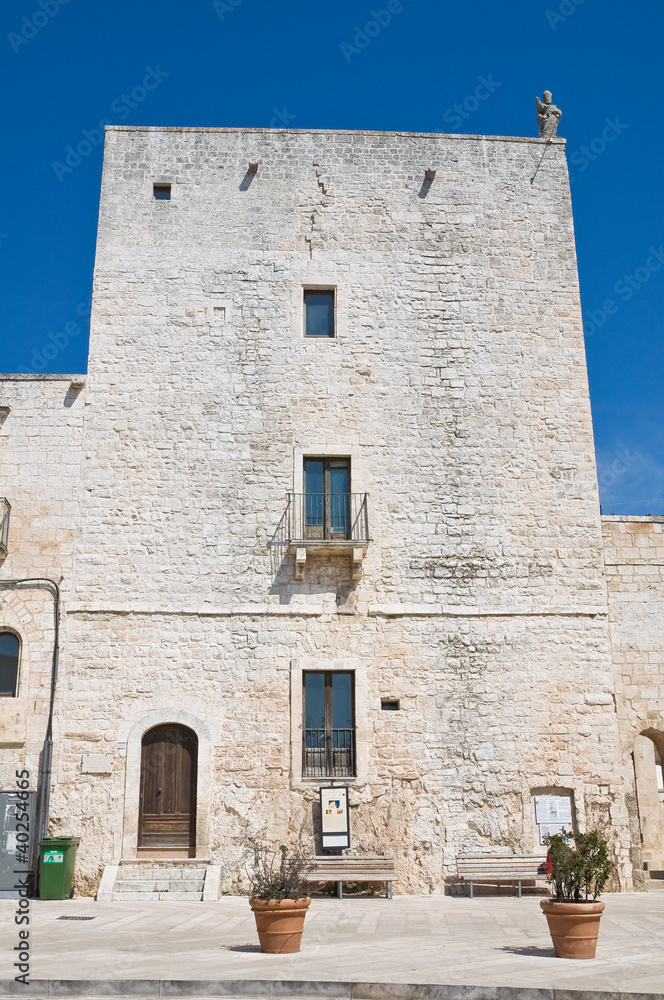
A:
x: 329, y: 753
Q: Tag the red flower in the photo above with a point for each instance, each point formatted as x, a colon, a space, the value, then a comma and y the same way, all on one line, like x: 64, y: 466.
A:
x: 549, y: 868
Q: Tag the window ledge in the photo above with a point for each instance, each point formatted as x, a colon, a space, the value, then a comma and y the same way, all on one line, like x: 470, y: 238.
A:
x: 328, y: 544
x: 323, y: 782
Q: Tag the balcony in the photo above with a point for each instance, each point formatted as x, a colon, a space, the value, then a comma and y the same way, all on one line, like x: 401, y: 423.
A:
x: 326, y: 522
x: 5, y: 509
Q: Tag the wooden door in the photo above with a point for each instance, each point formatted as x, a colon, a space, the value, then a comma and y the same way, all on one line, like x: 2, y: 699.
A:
x: 167, y: 817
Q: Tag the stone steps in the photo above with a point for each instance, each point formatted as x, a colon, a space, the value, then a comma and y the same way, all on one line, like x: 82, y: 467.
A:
x: 160, y: 880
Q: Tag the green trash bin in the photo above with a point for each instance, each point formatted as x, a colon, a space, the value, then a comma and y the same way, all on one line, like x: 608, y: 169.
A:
x: 57, y: 856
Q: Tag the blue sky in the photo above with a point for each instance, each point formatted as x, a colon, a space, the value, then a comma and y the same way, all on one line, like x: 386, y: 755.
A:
x: 67, y: 66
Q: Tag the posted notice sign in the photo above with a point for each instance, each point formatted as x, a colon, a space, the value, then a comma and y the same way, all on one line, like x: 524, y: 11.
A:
x: 53, y: 858
x: 334, y: 818
x: 555, y: 809
x: 553, y: 814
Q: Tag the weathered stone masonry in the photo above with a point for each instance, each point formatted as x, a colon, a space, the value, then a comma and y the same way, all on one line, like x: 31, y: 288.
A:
x: 634, y: 559
x: 456, y: 385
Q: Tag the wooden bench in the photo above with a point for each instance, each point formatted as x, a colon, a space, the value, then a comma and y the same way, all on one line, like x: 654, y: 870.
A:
x: 497, y: 868
x: 346, y: 869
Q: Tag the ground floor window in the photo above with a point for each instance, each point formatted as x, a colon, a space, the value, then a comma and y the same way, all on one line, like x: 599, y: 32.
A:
x: 329, y: 724
x: 9, y: 650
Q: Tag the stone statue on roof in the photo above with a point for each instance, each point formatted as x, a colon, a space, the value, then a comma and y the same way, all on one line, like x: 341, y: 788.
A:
x: 548, y: 116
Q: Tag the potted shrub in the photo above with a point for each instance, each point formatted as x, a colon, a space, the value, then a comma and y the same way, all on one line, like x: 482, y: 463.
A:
x: 279, y: 897
x: 578, y: 868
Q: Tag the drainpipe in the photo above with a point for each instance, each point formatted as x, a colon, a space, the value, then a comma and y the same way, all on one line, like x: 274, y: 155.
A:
x: 44, y: 777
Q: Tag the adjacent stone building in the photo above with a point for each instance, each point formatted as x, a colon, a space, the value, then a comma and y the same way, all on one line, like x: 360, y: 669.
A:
x: 326, y: 509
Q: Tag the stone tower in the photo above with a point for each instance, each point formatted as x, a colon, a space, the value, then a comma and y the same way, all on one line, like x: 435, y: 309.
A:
x: 337, y: 516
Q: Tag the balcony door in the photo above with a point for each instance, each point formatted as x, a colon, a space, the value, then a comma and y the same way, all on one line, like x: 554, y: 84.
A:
x: 327, y: 498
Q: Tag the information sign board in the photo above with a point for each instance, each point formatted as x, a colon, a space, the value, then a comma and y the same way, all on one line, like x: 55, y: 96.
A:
x: 553, y: 809
x: 334, y: 818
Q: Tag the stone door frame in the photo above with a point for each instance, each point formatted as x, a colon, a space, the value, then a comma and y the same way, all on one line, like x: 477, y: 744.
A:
x: 133, y: 778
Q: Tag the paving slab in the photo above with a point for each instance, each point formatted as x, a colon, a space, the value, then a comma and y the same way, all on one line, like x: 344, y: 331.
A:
x: 408, y: 948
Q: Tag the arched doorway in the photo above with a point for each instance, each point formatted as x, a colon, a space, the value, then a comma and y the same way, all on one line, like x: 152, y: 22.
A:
x: 648, y: 755
x: 167, y: 810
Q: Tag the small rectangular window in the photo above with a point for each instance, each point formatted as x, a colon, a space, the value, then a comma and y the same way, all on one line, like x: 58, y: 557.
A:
x: 329, y: 725
x: 389, y: 704
x: 161, y: 192
x: 318, y: 313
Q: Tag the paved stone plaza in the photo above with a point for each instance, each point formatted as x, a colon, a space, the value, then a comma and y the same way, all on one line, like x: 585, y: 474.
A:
x: 497, y: 941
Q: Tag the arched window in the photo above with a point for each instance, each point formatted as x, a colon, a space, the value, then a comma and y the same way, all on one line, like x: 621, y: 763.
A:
x: 9, y: 647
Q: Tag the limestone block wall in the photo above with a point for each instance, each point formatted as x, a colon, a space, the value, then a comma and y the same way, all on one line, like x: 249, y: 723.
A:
x: 40, y: 452
x: 491, y: 709
x: 457, y: 387
x: 634, y: 559
x: 456, y: 382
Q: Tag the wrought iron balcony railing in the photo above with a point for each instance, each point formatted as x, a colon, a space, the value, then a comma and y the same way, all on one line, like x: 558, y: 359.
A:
x: 327, y: 518
x: 328, y: 753
x: 323, y: 522
x: 5, y: 509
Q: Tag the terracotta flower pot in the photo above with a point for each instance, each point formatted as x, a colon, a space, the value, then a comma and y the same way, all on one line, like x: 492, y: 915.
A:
x: 279, y: 923
x: 573, y: 927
